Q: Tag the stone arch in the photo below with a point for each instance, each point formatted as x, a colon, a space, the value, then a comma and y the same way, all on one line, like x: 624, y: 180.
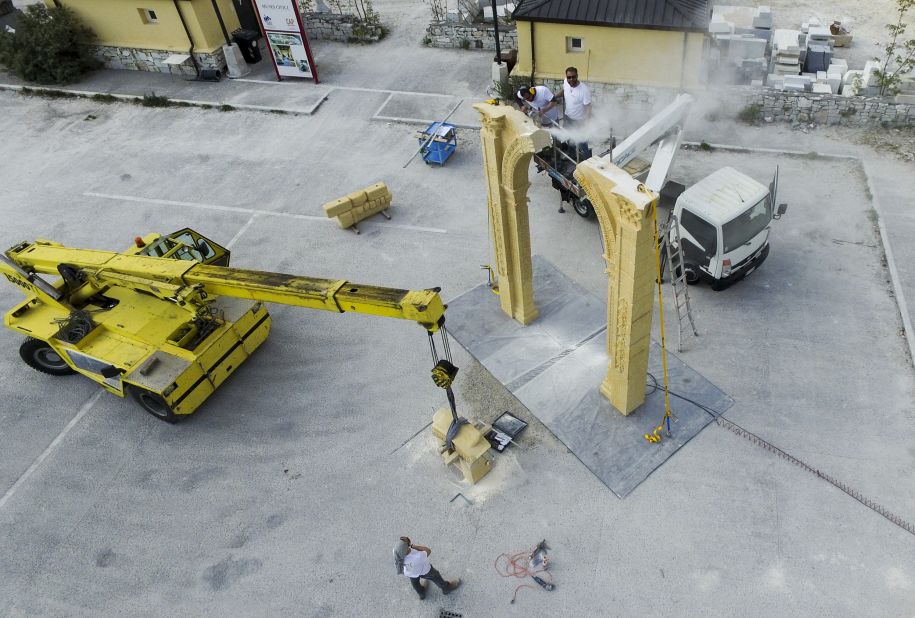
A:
x: 509, y: 140
x: 624, y: 209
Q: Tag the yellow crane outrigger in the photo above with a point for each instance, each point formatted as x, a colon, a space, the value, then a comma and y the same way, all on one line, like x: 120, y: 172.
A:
x: 167, y: 321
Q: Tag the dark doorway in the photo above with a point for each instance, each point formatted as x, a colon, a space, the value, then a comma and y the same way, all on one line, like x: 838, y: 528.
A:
x: 246, y: 15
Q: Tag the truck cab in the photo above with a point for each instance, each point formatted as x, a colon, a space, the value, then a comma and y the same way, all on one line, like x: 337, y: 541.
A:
x: 724, y: 222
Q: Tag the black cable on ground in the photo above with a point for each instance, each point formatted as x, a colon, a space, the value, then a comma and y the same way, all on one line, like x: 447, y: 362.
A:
x: 733, y: 427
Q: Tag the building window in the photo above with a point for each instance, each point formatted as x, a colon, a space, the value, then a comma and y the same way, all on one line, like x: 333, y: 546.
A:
x: 148, y: 16
x: 575, y: 44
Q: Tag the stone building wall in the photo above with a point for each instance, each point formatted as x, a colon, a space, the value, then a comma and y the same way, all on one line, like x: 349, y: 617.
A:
x: 343, y: 28
x: 768, y: 104
x: 153, y: 60
x: 800, y: 107
x: 475, y: 36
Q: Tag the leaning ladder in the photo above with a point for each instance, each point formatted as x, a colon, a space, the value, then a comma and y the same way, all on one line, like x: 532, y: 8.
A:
x: 677, y: 274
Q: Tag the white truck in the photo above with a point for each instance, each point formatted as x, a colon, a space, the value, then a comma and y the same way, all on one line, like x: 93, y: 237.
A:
x: 724, y: 222
x: 723, y: 219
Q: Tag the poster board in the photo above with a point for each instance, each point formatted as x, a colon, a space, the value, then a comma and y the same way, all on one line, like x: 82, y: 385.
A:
x: 284, y: 32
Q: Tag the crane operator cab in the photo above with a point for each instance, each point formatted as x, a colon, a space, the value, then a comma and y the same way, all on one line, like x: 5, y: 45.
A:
x: 724, y: 222
x: 185, y: 244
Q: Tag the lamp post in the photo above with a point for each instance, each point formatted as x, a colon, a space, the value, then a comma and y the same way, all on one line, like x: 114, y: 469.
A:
x: 495, y: 23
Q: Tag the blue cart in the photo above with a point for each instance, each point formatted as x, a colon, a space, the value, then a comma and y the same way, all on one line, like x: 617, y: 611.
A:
x: 442, y: 144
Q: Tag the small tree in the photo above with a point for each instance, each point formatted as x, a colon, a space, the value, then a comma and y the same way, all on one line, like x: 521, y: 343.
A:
x: 49, y: 46
x: 898, y: 54
x: 439, y: 9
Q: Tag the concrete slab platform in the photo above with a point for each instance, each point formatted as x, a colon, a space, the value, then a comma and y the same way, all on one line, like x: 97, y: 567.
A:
x: 555, y: 365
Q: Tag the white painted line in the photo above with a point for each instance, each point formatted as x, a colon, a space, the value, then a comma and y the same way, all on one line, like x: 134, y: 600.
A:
x: 243, y: 229
x: 47, y: 452
x: 891, y: 266
x: 424, y: 123
x: 406, y: 92
x: 252, y: 211
x: 351, y: 88
x: 382, y: 106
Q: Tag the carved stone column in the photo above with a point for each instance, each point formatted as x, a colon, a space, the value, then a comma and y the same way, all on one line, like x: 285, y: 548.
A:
x: 624, y: 208
x: 509, y: 140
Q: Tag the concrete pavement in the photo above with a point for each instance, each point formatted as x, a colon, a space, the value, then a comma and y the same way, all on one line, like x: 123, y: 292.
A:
x: 285, y: 494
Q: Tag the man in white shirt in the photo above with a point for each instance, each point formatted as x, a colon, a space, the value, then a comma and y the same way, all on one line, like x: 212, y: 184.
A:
x: 413, y: 562
x: 577, y: 99
x: 540, y: 99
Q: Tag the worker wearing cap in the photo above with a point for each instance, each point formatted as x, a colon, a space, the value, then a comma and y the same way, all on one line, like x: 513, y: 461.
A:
x: 413, y: 561
x: 540, y: 99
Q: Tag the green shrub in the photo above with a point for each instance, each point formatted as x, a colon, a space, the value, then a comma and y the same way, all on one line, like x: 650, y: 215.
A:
x: 48, y: 47
x: 154, y: 100
x: 751, y: 114
x: 104, y: 98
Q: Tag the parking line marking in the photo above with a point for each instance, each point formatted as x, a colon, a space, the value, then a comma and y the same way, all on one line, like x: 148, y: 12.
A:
x: 243, y: 229
x: 252, y: 211
x: 47, y: 452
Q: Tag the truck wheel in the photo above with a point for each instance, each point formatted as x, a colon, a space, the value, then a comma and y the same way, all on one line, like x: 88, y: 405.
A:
x: 40, y: 356
x: 692, y: 273
x: 582, y: 206
x: 153, y: 403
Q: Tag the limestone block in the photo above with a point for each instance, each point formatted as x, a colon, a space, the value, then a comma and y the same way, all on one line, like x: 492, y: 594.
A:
x: 358, y: 198
x: 822, y: 88
x: 346, y: 219
x: 337, y: 207
x: 720, y: 27
x: 377, y: 191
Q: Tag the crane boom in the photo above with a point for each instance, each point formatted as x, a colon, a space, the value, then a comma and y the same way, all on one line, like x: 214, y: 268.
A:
x: 177, y: 278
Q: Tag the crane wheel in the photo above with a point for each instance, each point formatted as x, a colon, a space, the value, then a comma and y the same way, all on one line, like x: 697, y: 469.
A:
x: 153, y: 403
x: 40, y: 356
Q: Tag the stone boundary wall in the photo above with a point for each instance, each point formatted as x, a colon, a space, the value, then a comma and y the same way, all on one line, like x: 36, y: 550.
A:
x: 153, y: 60
x: 773, y: 105
x: 477, y: 36
x: 343, y: 28
x: 800, y: 107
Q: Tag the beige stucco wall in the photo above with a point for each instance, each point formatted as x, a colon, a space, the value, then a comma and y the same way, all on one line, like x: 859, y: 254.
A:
x: 118, y: 23
x: 612, y: 55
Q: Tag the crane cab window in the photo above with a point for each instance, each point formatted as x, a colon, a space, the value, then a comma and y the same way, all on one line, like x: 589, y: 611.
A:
x: 188, y: 245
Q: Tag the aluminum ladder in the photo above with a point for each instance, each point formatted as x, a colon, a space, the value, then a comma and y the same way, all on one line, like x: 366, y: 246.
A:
x: 677, y: 274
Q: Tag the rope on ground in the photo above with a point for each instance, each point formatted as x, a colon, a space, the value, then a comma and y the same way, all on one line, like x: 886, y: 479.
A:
x: 518, y: 565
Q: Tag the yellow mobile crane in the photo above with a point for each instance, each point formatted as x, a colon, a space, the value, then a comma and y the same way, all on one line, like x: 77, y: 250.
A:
x: 167, y: 321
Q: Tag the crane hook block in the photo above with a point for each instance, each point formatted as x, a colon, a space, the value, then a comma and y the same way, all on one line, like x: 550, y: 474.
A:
x: 443, y: 374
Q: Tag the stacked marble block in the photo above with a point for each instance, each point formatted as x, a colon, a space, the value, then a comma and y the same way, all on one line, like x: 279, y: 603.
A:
x: 353, y: 208
x: 743, y: 34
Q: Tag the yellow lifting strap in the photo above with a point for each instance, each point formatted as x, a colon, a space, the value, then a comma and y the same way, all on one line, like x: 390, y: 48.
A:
x: 655, y: 436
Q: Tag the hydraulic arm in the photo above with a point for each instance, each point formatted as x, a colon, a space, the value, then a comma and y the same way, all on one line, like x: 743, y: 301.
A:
x: 188, y: 281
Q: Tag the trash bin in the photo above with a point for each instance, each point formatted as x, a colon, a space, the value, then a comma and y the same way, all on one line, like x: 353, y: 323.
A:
x: 247, y: 42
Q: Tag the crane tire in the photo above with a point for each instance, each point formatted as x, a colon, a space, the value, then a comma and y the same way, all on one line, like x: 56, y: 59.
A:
x: 40, y: 356
x: 153, y: 403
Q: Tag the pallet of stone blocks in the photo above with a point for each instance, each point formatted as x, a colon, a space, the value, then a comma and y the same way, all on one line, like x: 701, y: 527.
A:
x: 358, y: 205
